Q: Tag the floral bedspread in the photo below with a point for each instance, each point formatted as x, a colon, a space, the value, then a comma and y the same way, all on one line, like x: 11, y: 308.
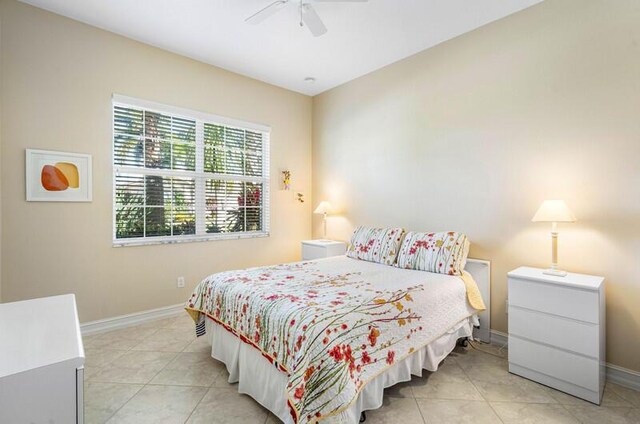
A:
x: 331, y: 325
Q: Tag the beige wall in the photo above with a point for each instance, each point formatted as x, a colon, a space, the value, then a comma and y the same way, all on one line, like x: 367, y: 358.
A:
x: 57, y: 78
x: 473, y: 134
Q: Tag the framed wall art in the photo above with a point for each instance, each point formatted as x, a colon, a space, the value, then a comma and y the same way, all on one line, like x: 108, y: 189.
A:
x: 58, y: 176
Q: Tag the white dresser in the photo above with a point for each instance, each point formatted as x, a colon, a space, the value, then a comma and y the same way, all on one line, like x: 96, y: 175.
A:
x: 557, y: 331
x: 41, y: 362
x: 316, y: 249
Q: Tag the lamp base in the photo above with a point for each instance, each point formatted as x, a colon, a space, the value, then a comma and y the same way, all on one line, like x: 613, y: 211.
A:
x: 555, y: 272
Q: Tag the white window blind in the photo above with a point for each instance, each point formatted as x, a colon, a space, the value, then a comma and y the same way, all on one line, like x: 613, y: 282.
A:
x: 183, y: 175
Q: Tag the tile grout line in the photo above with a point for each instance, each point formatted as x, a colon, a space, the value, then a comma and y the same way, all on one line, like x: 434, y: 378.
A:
x: 588, y: 404
x: 424, y: 420
x: 476, y: 387
x: 122, y: 406
x: 571, y: 414
x: 197, y: 404
x: 167, y: 364
x: 615, y: 391
x: 134, y: 395
x: 496, y: 412
x: 142, y: 385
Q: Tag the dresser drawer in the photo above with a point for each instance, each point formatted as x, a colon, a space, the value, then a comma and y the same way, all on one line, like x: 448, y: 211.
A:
x: 577, y: 336
x: 578, y: 370
x: 568, y: 302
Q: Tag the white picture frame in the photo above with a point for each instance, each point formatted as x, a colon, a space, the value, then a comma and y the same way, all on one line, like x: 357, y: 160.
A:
x: 53, y: 176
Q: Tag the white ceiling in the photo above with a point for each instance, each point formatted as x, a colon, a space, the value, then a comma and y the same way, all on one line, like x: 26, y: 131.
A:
x: 361, y: 37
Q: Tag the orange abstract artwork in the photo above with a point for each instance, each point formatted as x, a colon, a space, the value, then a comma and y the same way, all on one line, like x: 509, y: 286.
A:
x: 53, y: 176
x: 59, y: 177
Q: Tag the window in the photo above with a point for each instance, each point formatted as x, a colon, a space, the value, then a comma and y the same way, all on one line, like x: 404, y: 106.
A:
x: 182, y: 175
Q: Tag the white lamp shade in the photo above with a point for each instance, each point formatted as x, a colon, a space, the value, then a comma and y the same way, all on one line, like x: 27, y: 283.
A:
x: 554, y: 211
x: 323, y: 207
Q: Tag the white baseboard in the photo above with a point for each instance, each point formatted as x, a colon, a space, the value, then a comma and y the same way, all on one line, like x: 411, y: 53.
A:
x: 108, y: 324
x: 623, y: 376
x: 499, y: 338
x: 615, y: 374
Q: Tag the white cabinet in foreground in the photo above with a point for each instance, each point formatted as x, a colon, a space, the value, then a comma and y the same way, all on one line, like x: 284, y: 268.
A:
x: 41, y: 362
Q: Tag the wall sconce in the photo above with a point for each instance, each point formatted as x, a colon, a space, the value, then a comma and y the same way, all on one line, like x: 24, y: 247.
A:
x: 286, y: 180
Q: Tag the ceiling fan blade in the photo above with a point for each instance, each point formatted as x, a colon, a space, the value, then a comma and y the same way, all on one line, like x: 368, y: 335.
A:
x: 312, y: 20
x: 266, y: 12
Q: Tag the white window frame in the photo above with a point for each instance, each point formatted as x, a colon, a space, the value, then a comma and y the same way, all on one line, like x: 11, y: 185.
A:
x: 199, y: 174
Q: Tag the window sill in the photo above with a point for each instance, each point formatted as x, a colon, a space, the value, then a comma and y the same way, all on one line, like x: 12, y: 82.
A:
x: 187, y: 239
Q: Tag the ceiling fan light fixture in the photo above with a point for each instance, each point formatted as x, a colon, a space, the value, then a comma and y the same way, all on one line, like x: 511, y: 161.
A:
x: 308, y: 15
x: 266, y: 12
x: 311, y: 20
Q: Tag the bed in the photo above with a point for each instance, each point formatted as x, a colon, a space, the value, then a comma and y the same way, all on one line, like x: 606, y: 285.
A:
x: 320, y: 340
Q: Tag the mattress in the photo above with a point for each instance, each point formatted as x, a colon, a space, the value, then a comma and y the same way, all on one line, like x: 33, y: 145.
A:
x: 332, y: 326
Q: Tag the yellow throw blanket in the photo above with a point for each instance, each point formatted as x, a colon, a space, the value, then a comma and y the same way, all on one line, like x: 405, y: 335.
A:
x: 473, y: 292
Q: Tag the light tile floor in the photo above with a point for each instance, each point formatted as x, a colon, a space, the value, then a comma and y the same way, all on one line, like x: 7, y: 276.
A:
x: 160, y: 373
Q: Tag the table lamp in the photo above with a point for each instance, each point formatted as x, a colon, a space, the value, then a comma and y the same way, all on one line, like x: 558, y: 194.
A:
x: 554, y: 211
x: 323, y: 208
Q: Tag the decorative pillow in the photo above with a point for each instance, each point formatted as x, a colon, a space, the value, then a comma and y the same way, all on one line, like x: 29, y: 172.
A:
x: 375, y: 244
x: 444, y: 253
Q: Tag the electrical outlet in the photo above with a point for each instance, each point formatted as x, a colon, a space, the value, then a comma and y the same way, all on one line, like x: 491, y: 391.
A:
x: 180, y: 282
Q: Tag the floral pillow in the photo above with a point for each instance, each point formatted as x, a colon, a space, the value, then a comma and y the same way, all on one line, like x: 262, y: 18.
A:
x: 444, y: 253
x: 375, y: 244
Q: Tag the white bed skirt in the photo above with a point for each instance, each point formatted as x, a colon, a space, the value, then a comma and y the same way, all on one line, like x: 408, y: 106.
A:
x: 258, y: 378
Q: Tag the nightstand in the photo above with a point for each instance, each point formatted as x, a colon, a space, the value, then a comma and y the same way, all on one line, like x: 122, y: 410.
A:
x: 557, y: 331
x: 316, y: 249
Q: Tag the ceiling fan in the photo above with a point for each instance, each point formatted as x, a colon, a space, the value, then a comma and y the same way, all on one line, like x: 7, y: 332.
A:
x: 308, y: 15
